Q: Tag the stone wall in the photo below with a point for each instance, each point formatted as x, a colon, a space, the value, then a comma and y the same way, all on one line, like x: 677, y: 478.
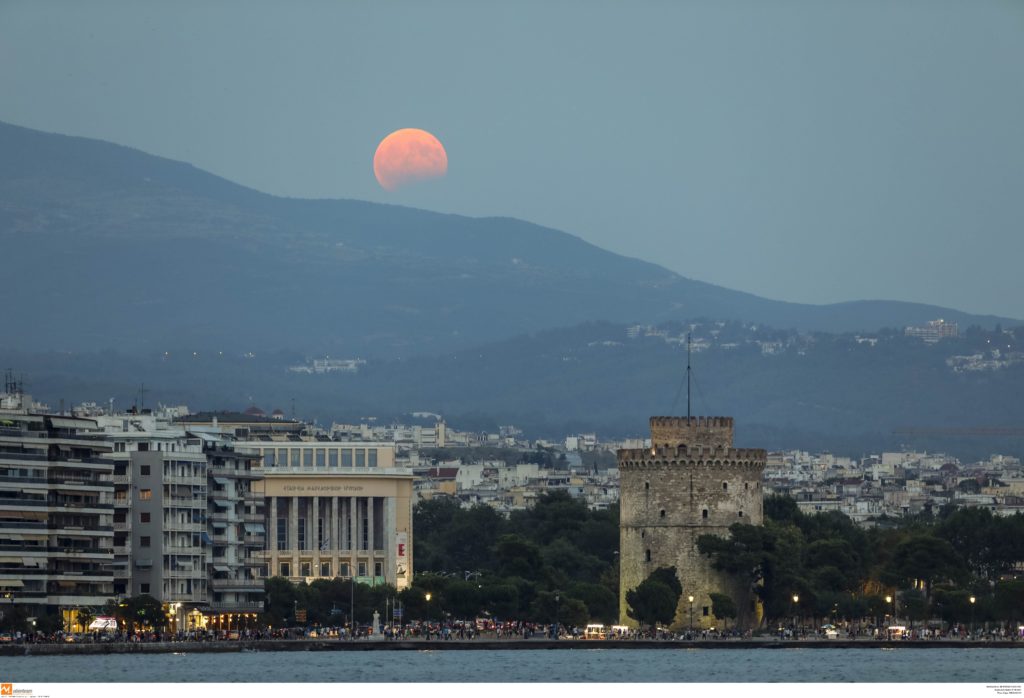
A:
x: 670, y: 496
x: 693, y: 431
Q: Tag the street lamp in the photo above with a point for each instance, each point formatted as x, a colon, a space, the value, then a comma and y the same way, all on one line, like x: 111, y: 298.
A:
x: 973, y: 599
x: 889, y: 600
x: 690, y: 599
x: 557, y: 608
x: 796, y: 600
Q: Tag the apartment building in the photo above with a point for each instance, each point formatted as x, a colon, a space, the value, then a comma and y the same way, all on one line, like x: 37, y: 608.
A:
x: 56, y: 510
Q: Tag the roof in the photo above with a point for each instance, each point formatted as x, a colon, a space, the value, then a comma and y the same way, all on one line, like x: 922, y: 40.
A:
x: 228, y: 417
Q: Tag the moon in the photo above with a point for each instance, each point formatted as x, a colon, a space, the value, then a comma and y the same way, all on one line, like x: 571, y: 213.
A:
x: 409, y: 155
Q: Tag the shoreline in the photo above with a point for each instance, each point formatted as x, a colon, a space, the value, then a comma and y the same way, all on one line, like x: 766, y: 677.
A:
x: 316, y: 645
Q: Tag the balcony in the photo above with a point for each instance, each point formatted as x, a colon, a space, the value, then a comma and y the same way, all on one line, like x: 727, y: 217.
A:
x: 122, y: 526
x: 122, y: 479
x: 241, y: 585
x: 237, y: 606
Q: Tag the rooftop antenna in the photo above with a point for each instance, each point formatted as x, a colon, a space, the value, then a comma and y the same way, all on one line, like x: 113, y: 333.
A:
x: 688, y: 379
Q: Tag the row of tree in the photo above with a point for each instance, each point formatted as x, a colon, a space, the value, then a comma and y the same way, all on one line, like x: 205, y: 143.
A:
x: 929, y: 566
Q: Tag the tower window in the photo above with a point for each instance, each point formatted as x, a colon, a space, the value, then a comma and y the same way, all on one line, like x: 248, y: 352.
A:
x: 741, y: 514
x: 725, y: 486
x: 746, y: 485
x: 647, y: 485
x: 704, y: 514
x: 707, y: 611
x: 643, y: 534
x: 647, y: 555
x: 663, y: 513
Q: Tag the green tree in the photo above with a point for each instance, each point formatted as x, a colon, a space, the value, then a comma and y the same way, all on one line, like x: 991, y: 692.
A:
x: 722, y: 606
x: 85, y: 618
x: 517, y: 556
x: 654, y: 601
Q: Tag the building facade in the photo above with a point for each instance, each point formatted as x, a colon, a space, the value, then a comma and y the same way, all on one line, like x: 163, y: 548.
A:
x: 56, y: 511
x: 332, y: 508
x: 691, y: 482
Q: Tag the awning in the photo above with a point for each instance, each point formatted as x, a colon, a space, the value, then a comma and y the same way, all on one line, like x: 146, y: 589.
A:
x: 67, y: 423
x: 143, y: 563
x: 223, y: 503
x: 10, y: 559
x: 206, y: 538
x: 11, y: 583
x: 221, y: 568
x: 220, y: 524
x: 221, y: 480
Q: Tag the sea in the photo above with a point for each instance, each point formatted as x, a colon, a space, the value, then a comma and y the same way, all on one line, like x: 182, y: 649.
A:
x: 911, y: 665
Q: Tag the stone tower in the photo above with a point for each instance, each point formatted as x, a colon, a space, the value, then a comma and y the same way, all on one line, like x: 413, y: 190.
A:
x: 690, y: 482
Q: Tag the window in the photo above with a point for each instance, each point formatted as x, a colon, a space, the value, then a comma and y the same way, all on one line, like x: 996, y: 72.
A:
x: 144, y: 541
x: 746, y: 485
x: 371, y: 460
x: 302, y: 534
x: 647, y: 555
x: 704, y: 514
x: 307, y: 457
x: 643, y: 534
x: 725, y: 486
x: 143, y: 470
x: 305, y: 569
x: 707, y: 611
x: 144, y: 517
x: 321, y: 458
x: 332, y: 458
x: 360, y: 457
x: 741, y: 513
x: 378, y: 569
x: 145, y: 495
x: 325, y: 569
x: 320, y: 534
x: 282, y: 533
x: 294, y: 460
x: 362, y: 569
x: 647, y: 485
x: 285, y: 569
x: 343, y: 570
x: 662, y: 513
x: 269, y: 458
x: 346, y: 458
x: 143, y: 588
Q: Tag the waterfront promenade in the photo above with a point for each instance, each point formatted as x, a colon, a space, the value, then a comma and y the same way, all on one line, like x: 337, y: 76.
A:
x: 370, y: 644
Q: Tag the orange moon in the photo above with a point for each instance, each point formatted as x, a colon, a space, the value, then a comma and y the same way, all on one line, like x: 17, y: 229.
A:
x: 409, y: 155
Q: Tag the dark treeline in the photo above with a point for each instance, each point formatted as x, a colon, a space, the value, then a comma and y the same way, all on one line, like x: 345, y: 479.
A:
x: 553, y: 562
x: 930, y: 566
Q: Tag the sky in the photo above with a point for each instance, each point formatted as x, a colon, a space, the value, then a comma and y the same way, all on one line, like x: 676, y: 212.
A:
x: 809, y: 151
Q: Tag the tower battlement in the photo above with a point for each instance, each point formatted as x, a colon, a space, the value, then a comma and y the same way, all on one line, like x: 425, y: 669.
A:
x: 692, y: 456
x: 692, y: 431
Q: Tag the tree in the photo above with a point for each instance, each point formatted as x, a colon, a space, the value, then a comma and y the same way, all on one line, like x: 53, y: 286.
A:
x: 144, y: 611
x: 85, y: 619
x: 722, y: 606
x: 656, y: 598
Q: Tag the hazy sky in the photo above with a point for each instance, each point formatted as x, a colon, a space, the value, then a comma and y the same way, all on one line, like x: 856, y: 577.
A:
x: 809, y: 151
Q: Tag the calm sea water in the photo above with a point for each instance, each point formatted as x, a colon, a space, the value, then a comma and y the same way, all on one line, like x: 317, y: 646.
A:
x: 508, y: 666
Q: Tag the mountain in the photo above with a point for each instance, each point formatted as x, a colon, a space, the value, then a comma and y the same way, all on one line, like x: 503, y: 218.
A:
x: 787, y: 390
x: 108, y: 247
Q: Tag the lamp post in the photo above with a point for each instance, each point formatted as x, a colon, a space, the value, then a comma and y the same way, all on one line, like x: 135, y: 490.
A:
x: 973, y: 599
x: 427, y: 598
x: 889, y: 600
x: 690, y: 599
x: 796, y: 600
x: 557, y: 608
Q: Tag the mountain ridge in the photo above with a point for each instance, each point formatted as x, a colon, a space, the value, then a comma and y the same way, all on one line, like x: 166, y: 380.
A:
x: 171, y: 254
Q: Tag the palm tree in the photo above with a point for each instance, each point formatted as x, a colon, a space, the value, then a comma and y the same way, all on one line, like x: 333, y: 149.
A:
x: 85, y: 618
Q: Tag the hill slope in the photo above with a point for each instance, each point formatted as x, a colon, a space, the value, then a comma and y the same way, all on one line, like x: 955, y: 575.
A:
x: 111, y: 247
